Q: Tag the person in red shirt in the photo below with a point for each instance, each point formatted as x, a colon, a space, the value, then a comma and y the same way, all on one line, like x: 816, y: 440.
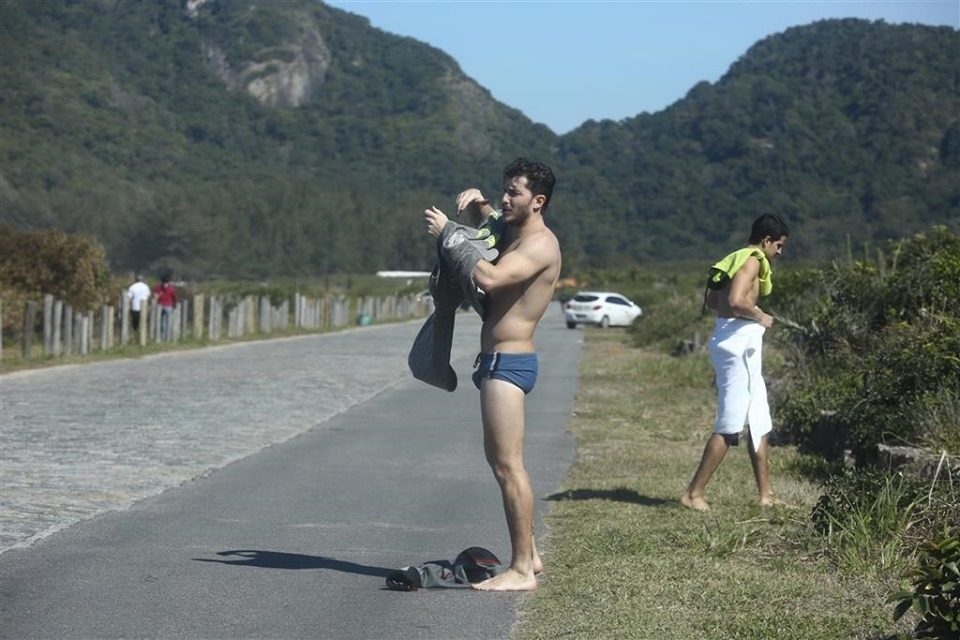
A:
x: 166, y: 295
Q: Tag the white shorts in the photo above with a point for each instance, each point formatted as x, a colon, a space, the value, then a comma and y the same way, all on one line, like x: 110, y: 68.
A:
x: 736, y: 350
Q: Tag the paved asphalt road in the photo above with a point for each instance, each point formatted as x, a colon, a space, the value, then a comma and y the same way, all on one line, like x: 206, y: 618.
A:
x: 261, y: 490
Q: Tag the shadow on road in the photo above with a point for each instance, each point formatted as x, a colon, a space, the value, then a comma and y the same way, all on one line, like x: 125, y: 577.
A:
x: 620, y: 494
x: 280, y: 560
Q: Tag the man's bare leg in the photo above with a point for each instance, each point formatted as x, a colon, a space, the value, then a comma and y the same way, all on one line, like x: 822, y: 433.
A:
x: 713, y: 454
x: 761, y: 471
x: 501, y: 406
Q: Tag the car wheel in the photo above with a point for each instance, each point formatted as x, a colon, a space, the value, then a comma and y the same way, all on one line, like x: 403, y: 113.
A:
x: 571, y: 325
x: 604, y: 322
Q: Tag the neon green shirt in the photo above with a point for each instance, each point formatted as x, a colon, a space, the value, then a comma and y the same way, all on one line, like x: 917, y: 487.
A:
x: 728, y: 267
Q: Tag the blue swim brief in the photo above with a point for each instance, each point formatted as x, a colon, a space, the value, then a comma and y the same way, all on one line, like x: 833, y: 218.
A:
x: 519, y: 369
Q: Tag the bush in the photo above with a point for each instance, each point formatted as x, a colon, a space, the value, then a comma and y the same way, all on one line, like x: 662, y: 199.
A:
x: 670, y: 318
x: 72, y: 268
x: 935, y: 592
x: 876, y: 343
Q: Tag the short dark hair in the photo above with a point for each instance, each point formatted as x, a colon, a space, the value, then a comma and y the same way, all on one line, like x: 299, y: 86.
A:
x: 540, y: 178
x: 768, y: 225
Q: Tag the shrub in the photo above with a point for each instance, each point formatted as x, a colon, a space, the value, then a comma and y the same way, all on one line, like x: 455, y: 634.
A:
x: 876, y: 343
x: 72, y: 268
x: 935, y: 592
x: 668, y: 319
x: 901, y: 373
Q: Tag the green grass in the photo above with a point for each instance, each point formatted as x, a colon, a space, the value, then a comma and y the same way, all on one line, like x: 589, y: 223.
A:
x: 625, y: 560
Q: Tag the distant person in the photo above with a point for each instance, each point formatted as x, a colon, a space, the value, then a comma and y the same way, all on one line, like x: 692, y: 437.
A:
x: 518, y: 287
x: 137, y: 293
x: 166, y: 295
x: 736, y: 283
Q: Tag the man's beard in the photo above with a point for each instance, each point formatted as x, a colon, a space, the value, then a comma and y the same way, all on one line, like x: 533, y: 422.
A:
x: 519, y: 217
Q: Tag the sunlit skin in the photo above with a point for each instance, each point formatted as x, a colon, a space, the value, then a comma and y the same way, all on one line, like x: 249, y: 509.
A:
x: 738, y: 300
x: 519, y: 287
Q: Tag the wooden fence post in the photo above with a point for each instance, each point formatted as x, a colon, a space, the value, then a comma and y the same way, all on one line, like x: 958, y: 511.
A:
x: 212, y: 329
x: 198, y: 316
x: 57, y: 327
x: 47, y: 325
x: 145, y: 313
x: 84, y: 328
x: 232, y: 321
x: 104, y: 327
x: 220, y: 317
x: 250, y: 322
x: 263, y: 310
x: 173, y: 323
x: 67, y: 329
x: 124, y: 319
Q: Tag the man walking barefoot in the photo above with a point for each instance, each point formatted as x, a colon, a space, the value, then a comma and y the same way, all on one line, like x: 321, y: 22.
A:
x: 735, y: 352
x: 519, y: 286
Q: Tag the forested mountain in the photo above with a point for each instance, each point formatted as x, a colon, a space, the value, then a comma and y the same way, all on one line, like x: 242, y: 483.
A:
x: 844, y: 126
x: 251, y: 139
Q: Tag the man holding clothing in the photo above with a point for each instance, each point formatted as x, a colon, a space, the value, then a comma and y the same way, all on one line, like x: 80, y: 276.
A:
x: 519, y: 286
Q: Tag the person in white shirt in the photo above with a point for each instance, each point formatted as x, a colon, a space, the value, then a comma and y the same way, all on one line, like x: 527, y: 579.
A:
x: 137, y: 293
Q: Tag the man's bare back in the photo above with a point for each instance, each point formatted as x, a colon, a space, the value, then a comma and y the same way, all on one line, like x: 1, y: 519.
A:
x: 738, y: 299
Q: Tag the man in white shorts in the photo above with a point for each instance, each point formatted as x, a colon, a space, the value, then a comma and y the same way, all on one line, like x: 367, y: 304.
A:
x: 735, y: 352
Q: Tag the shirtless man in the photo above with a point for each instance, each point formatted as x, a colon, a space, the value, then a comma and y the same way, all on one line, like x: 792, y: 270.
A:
x: 519, y: 287
x: 735, y: 352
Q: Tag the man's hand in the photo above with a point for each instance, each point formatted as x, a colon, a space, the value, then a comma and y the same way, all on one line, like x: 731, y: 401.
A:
x: 434, y: 220
x: 471, y: 201
x: 765, y: 319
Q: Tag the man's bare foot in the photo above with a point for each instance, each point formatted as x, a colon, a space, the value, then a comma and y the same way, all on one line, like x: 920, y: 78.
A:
x: 698, y: 503
x: 509, y: 580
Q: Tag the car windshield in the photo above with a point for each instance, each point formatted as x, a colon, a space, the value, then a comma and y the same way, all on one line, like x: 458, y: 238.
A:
x: 583, y: 298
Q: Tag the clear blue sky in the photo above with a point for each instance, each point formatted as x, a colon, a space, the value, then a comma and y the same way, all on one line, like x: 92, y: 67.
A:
x: 607, y: 59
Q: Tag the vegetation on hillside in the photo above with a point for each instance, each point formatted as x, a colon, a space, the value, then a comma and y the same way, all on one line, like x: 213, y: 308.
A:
x: 116, y: 121
x: 837, y: 125
x: 112, y: 124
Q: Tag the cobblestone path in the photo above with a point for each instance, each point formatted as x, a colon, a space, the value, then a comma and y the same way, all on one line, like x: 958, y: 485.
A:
x: 79, y: 440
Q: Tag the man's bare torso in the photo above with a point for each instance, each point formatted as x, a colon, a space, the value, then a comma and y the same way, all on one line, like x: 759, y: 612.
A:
x: 513, y: 314
x: 724, y: 310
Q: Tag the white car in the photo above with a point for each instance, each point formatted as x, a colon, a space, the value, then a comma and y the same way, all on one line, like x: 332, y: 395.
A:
x: 602, y: 308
